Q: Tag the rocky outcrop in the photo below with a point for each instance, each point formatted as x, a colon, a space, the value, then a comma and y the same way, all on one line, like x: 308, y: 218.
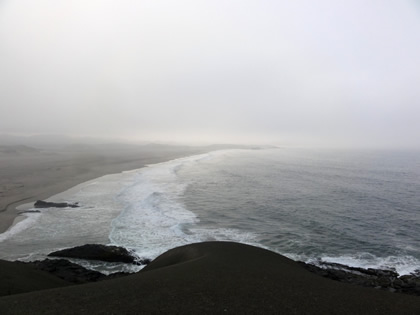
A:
x: 47, y: 204
x: 29, y: 211
x: 375, y: 278
x: 101, y: 252
x: 72, y: 272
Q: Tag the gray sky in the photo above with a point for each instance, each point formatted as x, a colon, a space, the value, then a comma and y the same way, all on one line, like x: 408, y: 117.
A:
x: 325, y: 72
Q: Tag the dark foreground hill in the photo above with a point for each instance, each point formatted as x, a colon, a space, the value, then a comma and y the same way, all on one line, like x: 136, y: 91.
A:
x: 208, y: 278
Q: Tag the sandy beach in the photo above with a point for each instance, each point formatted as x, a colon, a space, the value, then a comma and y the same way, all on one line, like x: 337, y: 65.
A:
x: 29, y: 174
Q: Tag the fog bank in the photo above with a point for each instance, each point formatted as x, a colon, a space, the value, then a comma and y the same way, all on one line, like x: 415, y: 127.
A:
x: 324, y: 73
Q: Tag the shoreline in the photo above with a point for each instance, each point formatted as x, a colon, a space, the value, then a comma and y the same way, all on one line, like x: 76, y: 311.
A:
x: 9, y: 216
x: 17, y: 217
x: 59, y: 175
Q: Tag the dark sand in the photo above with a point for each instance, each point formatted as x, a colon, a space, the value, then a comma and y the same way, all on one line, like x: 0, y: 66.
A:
x: 27, y: 175
x: 213, y: 278
x: 18, y: 278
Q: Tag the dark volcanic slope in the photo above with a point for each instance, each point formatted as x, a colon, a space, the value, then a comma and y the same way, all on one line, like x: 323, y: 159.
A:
x: 19, y: 278
x: 215, y: 277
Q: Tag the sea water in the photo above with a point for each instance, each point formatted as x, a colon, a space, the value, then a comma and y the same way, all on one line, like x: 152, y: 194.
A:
x: 359, y: 208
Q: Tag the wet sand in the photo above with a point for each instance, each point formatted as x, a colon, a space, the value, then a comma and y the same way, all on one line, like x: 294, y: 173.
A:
x: 41, y: 173
x: 212, y: 278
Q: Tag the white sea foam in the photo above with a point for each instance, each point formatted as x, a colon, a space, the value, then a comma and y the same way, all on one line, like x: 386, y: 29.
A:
x: 144, y: 210
x: 154, y: 218
x: 107, y: 268
x: 403, y: 265
x: 140, y: 209
x: 28, y: 220
x: 55, y: 228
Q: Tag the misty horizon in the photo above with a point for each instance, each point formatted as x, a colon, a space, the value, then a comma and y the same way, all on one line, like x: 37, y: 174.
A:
x: 286, y: 73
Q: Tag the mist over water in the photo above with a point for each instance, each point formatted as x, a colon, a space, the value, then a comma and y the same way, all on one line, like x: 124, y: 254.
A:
x: 358, y: 208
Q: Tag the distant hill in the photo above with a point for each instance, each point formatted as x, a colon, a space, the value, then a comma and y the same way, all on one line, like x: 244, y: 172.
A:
x: 86, y: 144
x: 17, y: 149
x: 46, y: 140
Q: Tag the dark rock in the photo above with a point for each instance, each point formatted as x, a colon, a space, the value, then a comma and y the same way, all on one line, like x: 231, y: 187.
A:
x: 384, y: 282
x: 29, y: 211
x: 102, y: 253
x: 72, y: 272
x: 397, y: 283
x: 375, y: 278
x: 47, y: 204
x: 68, y: 271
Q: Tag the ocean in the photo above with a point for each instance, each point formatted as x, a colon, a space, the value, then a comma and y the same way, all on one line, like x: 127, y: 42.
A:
x: 358, y: 208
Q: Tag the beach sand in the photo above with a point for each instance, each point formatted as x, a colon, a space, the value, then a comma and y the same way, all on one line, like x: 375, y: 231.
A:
x: 38, y: 174
x: 213, y: 278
